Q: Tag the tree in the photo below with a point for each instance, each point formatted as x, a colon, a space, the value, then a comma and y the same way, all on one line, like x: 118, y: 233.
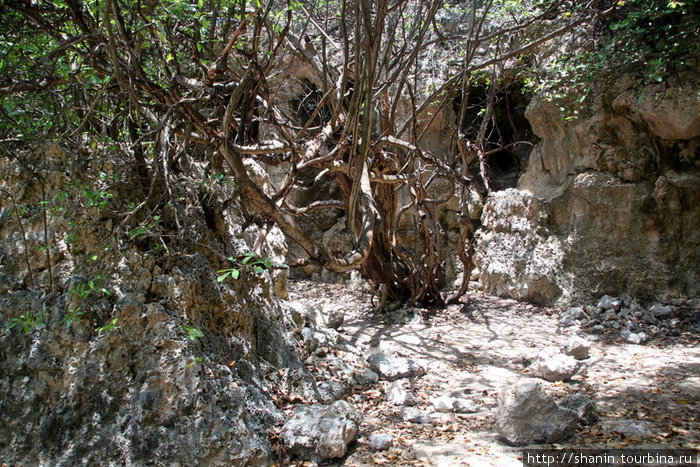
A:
x: 197, y: 78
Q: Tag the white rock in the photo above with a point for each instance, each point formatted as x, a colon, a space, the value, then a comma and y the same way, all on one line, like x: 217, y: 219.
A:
x: 552, y: 365
x: 577, y: 347
x: 443, y: 404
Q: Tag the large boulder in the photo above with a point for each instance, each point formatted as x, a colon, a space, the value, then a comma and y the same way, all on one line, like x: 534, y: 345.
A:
x: 527, y: 415
x: 319, y: 432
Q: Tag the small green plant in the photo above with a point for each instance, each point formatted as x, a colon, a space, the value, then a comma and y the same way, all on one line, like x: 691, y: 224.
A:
x: 224, y: 273
x: 250, y: 260
x: 109, y: 327
x: 27, y: 322
x: 258, y: 264
x: 86, y: 289
x: 145, y: 228
x: 98, y: 199
x: 72, y: 316
x: 193, y: 333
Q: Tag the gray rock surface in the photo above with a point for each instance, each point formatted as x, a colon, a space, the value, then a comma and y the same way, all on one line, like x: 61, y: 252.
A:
x: 527, y: 415
x: 392, y: 368
x: 577, y: 347
x: 552, y: 365
x: 599, y: 201
x: 584, y: 407
x: 414, y: 415
x: 158, y: 363
x: 399, y: 396
x: 380, y: 441
x: 320, y: 432
x: 443, y: 404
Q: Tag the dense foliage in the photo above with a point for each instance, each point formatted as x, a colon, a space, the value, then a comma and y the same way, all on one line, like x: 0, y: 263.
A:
x: 158, y: 81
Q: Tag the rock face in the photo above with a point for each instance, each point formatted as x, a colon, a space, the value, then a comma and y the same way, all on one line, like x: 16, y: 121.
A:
x: 320, y: 432
x: 124, y: 353
x: 605, y: 203
x: 527, y: 415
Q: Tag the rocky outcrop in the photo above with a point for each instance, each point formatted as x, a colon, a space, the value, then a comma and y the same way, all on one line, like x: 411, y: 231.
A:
x: 605, y: 204
x: 120, y: 346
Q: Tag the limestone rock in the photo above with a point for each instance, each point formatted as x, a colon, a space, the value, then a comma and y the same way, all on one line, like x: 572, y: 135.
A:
x: 584, y: 407
x: 552, y: 365
x: 577, y: 347
x: 443, y: 404
x: 414, y: 415
x: 320, y: 432
x: 392, y: 368
x: 399, y: 396
x: 380, y: 441
x: 527, y: 415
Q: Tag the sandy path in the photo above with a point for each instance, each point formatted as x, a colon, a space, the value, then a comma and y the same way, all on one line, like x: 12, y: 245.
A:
x: 480, y: 348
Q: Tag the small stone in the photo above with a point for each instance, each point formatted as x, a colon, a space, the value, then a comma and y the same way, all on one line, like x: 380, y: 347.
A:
x: 443, y: 404
x: 552, y: 365
x: 399, y: 396
x: 597, y: 329
x: 649, y: 318
x: 319, y: 432
x: 577, y: 347
x: 636, y: 337
x: 413, y: 415
x: 393, y: 368
x: 331, y: 391
x: 660, y: 311
x: 335, y: 317
x: 464, y: 406
x: 380, y: 441
x: 366, y: 376
x: 608, y: 303
x: 567, y: 320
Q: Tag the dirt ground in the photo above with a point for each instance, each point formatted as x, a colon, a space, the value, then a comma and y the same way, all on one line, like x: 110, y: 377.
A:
x: 481, y: 346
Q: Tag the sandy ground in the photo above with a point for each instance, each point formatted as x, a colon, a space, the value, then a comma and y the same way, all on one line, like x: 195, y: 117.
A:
x: 480, y: 347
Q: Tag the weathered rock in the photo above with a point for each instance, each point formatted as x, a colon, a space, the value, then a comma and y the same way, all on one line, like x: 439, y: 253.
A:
x: 366, y: 376
x: 661, y: 311
x: 516, y: 256
x: 608, y: 303
x: 320, y: 432
x: 380, y: 441
x: 527, y: 415
x: 331, y: 391
x: 633, y: 337
x: 393, y: 368
x: 464, y: 405
x: 399, y: 396
x: 603, y: 204
x: 630, y: 428
x: 577, y: 347
x: 552, y: 365
x: 443, y: 404
x: 584, y: 407
x: 414, y: 415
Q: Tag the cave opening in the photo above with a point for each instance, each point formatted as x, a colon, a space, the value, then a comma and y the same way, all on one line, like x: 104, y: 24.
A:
x: 509, y: 137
